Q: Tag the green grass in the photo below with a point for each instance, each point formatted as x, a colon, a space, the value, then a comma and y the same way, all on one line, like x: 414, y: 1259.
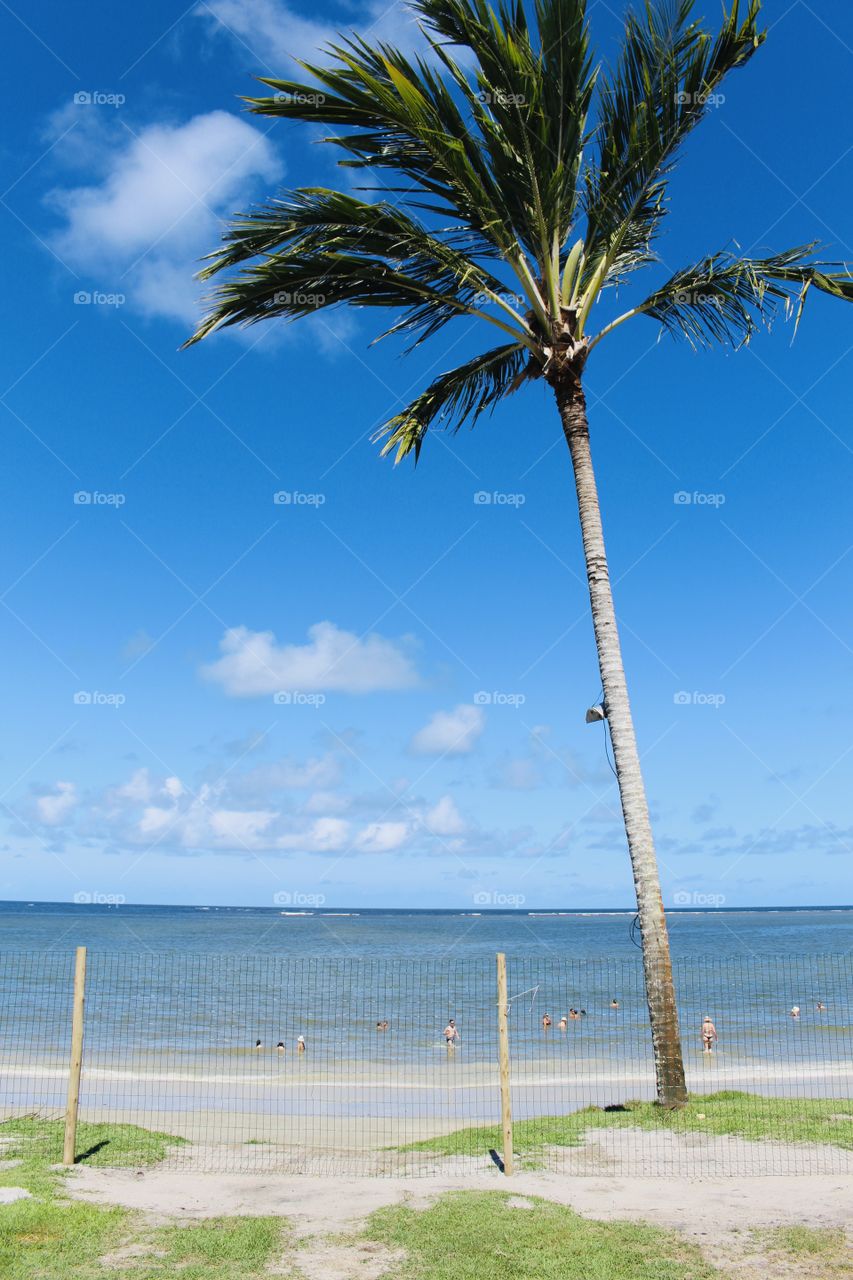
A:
x: 745, y: 1115
x: 116, y: 1145
x: 51, y: 1237
x: 481, y: 1236
x: 806, y: 1242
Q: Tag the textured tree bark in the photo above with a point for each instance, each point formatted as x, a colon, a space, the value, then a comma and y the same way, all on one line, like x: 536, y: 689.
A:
x: 657, y: 965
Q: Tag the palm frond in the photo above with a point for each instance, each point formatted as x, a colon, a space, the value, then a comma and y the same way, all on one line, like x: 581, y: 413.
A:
x: 406, y: 120
x: 663, y: 85
x: 725, y: 298
x: 320, y: 248
x: 459, y: 395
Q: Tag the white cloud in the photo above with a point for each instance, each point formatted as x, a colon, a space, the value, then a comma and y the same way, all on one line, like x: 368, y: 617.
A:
x: 55, y: 807
x: 273, y: 32
x: 254, y: 663
x: 444, y: 819
x: 450, y: 733
x: 383, y: 837
x: 157, y: 207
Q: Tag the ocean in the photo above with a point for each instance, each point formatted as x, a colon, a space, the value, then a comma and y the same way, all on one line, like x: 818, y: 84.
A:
x: 178, y: 997
x: 395, y: 934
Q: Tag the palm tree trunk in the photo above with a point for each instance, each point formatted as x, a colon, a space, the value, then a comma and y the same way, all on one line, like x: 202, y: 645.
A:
x: 660, y: 993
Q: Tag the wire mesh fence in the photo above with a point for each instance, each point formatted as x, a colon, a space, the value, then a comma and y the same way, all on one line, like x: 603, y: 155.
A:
x: 389, y: 1066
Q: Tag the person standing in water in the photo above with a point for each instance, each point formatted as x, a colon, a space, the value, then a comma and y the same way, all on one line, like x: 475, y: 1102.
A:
x: 300, y: 1044
x: 451, y: 1035
x: 546, y: 1021
x: 709, y: 1034
x: 795, y: 1011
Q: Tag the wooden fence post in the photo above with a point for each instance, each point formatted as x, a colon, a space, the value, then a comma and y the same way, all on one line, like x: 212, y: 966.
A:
x: 503, y: 1061
x: 76, y: 1063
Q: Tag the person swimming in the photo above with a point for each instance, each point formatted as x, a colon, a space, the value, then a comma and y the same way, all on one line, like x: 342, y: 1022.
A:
x: 574, y: 1015
x: 383, y: 1025
x: 795, y: 1011
x: 614, y: 1003
x: 820, y: 1005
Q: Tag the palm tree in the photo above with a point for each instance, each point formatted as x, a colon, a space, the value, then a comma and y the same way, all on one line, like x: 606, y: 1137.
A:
x: 524, y: 182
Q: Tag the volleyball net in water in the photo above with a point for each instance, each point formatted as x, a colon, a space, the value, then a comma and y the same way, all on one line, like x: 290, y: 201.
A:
x: 381, y: 1066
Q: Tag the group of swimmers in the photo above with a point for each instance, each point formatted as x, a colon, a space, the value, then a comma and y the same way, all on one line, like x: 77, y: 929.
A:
x: 300, y: 1045
x: 795, y: 1009
x: 452, y: 1036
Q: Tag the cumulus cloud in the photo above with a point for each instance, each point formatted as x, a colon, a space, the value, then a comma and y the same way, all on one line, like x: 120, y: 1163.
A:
x: 444, y: 819
x: 274, y: 32
x: 450, y: 733
x: 157, y: 206
x: 254, y: 663
x: 54, y: 807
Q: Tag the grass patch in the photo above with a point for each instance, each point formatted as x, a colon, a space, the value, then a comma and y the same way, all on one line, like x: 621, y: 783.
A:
x: 51, y: 1237
x: 802, y: 1243
x: 116, y: 1145
x: 744, y: 1115
x: 227, y: 1248
x: 471, y: 1235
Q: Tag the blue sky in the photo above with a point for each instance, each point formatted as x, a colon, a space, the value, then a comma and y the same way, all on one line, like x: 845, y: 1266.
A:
x: 210, y: 696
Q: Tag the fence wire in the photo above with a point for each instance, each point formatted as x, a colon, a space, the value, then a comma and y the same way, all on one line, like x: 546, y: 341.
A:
x: 349, y: 1066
